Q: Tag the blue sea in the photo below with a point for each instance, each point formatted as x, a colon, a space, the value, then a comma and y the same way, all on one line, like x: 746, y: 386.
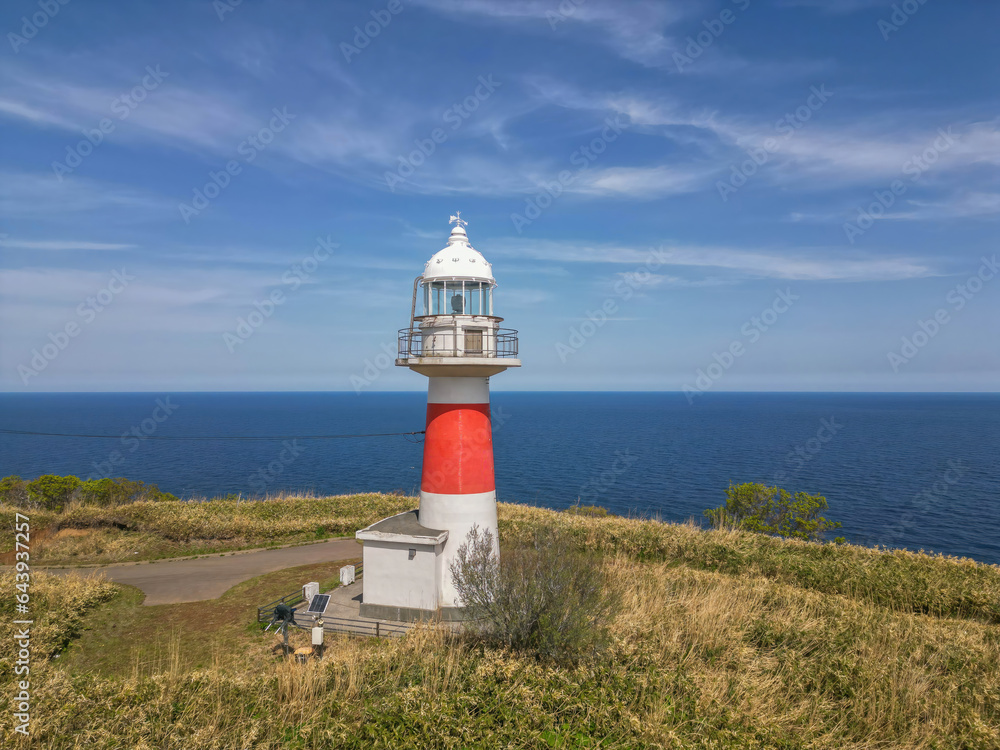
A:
x: 919, y: 471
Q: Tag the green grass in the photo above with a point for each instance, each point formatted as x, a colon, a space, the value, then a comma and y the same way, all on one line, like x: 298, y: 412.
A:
x: 724, y: 639
x: 123, y: 638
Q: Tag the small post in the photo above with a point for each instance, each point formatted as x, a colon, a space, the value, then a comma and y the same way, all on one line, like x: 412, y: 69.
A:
x: 377, y: 630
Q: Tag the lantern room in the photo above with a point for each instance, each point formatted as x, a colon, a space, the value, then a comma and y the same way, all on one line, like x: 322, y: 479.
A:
x: 457, y: 297
x: 452, y: 318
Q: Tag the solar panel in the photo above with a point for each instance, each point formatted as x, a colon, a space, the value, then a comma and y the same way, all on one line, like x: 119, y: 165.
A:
x: 318, y: 604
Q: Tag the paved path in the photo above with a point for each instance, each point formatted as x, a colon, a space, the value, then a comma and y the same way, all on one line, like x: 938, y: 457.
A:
x: 174, y: 581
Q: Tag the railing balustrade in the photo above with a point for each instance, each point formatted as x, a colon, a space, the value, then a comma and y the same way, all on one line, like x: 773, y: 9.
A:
x: 497, y: 342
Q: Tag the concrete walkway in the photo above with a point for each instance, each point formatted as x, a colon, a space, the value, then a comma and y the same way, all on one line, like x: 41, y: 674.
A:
x: 175, y: 581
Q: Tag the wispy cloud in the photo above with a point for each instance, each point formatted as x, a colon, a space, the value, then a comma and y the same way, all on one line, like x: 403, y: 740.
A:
x: 62, y: 245
x: 209, y: 119
x: 816, y: 155
x: 828, y: 266
x: 965, y: 206
x: 42, y: 195
x: 835, y: 6
x: 634, y: 29
x: 644, y: 183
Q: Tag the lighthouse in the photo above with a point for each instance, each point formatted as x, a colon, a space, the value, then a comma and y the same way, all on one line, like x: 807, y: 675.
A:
x: 454, y: 339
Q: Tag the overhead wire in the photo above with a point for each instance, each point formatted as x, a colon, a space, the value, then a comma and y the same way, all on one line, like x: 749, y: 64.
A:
x: 211, y: 437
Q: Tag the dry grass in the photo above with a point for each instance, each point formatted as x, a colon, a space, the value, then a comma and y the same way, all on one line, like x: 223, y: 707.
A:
x: 841, y: 672
x: 898, y: 579
x: 724, y: 639
x: 698, y: 660
x: 153, y: 530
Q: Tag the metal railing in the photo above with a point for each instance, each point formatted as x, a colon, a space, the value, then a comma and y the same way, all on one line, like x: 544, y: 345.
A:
x: 266, y: 612
x: 497, y: 342
x: 335, y: 624
x: 345, y: 625
x: 364, y: 627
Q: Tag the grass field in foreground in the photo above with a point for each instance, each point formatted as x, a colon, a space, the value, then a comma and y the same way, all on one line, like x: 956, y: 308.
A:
x: 724, y: 639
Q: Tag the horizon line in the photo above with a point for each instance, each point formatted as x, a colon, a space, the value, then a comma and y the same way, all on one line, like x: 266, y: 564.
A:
x: 496, y: 390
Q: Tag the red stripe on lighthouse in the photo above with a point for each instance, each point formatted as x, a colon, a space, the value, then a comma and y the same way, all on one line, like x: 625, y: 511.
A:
x: 458, y: 450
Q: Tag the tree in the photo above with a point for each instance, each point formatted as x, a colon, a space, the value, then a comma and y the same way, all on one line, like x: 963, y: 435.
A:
x: 543, y: 596
x: 120, y: 491
x: 52, y: 492
x: 771, y: 510
x: 13, y: 491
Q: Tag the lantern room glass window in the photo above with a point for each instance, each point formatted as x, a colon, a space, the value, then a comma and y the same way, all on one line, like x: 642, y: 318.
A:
x: 458, y: 298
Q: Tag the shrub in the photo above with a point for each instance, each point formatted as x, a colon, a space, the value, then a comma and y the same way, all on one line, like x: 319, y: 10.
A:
x: 14, y: 491
x: 543, y: 597
x: 51, y: 492
x: 121, y: 491
x: 771, y: 510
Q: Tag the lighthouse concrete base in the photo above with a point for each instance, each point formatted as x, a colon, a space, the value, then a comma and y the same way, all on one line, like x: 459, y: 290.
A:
x: 408, y: 614
x: 403, y: 570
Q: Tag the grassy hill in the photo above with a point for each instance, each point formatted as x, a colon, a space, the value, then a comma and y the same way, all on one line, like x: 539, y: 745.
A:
x: 724, y: 639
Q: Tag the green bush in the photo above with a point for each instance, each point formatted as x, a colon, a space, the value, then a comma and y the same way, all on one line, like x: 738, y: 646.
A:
x: 14, y: 491
x: 121, y: 491
x: 770, y: 510
x: 542, y: 596
x: 51, y: 492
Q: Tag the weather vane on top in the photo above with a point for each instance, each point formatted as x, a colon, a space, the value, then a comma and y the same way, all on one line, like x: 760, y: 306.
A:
x: 457, y: 219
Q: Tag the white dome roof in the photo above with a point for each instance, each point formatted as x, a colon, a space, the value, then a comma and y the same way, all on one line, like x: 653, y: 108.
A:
x: 459, y: 260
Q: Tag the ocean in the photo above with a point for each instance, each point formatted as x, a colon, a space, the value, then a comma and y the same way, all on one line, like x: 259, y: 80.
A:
x: 920, y: 471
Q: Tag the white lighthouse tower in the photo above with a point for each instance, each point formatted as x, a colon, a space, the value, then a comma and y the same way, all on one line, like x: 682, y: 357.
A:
x: 458, y: 344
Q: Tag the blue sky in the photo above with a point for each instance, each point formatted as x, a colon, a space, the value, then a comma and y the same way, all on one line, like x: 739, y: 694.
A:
x: 689, y: 175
